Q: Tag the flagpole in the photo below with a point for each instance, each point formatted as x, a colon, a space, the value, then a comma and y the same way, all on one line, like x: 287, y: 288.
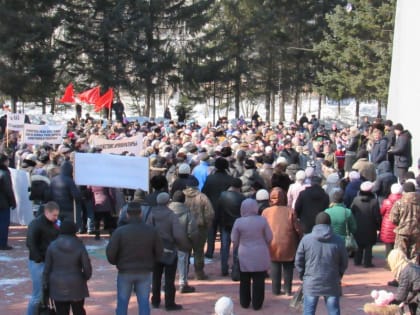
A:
x: 7, y: 137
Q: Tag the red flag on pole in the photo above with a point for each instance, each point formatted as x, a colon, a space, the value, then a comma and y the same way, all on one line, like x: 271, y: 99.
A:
x: 68, y: 96
x: 89, y: 96
x: 105, y: 100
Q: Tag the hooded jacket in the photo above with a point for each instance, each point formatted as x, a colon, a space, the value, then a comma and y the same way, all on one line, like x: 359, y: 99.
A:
x: 409, y: 285
x: 186, y: 219
x: 213, y: 187
x: 200, y: 207
x: 405, y: 213
x: 230, y: 208
x: 365, y: 209
x: 309, y: 203
x: 384, y: 181
x: 387, y: 227
x: 67, y: 269
x: 252, y: 235
x: 321, y: 260
x: 402, y: 150
x: 63, y: 188
x: 284, y: 226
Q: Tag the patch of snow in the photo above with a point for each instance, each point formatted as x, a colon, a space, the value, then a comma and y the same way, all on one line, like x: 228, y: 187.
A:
x: 16, y: 281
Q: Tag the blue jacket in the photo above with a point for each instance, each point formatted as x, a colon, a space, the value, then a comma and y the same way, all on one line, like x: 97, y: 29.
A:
x: 379, y: 151
x: 201, y: 171
x: 321, y: 260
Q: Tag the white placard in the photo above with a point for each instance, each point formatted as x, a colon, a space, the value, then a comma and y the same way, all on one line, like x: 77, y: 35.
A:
x: 38, y: 134
x: 23, y: 212
x: 108, y: 170
x: 132, y: 145
x: 15, y: 122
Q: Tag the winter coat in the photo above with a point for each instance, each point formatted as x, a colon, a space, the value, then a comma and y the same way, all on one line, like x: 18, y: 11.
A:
x: 384, y: 181
x: 187, y: 221
x: 266, y: 173
x: 40, y: 188
x: 387, y: 234
x: 103, y: 199
x: 67, y: 269
x: 286, y: 232
x: 183, y: 182
x: 124, y: 244
x: 365, y: 209
x: 230, y: 208
x: 252, y: 235
x: 342, y: 219
x: 409, y: 285
x: 63, y: 188
x: 200, y: 207
x: 321, y: 260
x: 351, y: 191
x: 7, y: 197
x: 291, y: 156
x: 405, y: 213
x: 169, y: 228
x: 309, y: 203
x: 293, y: 193
x: 213, y: 187
x: 282, y: 180
x: 250, y: 179
x: 379, y: 151
x: 41, y: 232
x: 402, y: 150
x: 366, y: 169
x: 200, y: 172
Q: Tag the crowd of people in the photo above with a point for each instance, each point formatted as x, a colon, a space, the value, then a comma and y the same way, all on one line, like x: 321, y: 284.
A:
x: 280, y: 195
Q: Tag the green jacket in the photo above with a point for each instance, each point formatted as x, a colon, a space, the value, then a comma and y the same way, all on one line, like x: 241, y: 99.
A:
x: 339, y: 215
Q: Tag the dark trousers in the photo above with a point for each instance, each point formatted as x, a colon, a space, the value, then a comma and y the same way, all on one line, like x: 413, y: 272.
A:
x: 211, y: 238
x: 108, y: 221
x: 252, y: 294
x: 170, y: 272
x: 365, y: 252
x: 279, y: 268
x: 77, y: 307
x: 4, y: 226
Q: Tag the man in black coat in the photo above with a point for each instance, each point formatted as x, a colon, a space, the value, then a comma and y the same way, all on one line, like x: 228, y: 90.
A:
x: 41, y: 232
x: 229, y: 206
x: 401, y: 152
x: 289, y: 153
x: 215, y: 184
x: 309, y: 203
x: 379, y: 150
x: 7, y: 201
x: 134, y: 266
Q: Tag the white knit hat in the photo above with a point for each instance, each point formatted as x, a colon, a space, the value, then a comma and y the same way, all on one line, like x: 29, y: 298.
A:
x: 224, y: 306
x: 300, y: 175
x: 184, y: 168
x: 396, y: 189
x: 366, y: 186
x: 262, y: 194
x: 353, y: 175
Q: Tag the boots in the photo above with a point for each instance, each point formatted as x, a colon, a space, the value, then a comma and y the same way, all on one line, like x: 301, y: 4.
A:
x: 200, y: 275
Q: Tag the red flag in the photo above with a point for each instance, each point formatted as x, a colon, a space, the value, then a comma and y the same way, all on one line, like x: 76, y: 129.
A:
x: 89, y: 96
x: 68, y: 96
x: 105, y: 100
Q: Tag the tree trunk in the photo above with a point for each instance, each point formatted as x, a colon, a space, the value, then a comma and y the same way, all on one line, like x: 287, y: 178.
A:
x: 52, y: 108
x: 272, y: 106
x: 282, y: 102
x: 339, y: 109
x: 357, y: 112
x: 295, y: 105
x: 237, y: 91
x: 44, y: 106
x: 319, y: 105
x: 379, y: 115
x: 267, y: 105
x: 14, y: 104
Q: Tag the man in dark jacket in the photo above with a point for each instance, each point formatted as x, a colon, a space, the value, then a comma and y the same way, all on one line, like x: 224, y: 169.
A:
x: 321, y: 260
x: 289, y: 153
x: 134, y: 265
x: 379, y: 150
x: 213, y: 187
x: 41, y: 232
x: 65, y: 192
x: 7, y: 201
x: 384, y: 181
x: 230, y: 209
x: 309, y: 203
x: 184, y: 179
x: 173, y: 238
x: 401, y: 152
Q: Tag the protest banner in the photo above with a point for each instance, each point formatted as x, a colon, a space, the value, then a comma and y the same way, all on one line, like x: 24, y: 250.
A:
x: 15, y: 122
x: 132, y: 145
x: 23, y: 212
x: 38, y: 134
x: 108, y: 170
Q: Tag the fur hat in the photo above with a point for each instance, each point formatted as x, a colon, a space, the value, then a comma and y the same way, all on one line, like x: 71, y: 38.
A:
x: 396, y: 189
x: 366, y: 186
x: 224, y: 306
x: 162, y: 198
x: 184, y: 168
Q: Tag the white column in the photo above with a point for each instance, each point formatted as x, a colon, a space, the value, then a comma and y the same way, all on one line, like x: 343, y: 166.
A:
x: 404, y: 89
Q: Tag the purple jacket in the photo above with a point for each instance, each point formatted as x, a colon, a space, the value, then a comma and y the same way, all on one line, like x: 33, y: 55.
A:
x: 252, y: 235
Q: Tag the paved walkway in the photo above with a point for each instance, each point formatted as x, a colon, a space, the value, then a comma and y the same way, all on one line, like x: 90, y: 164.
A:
x: 15, y: 285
